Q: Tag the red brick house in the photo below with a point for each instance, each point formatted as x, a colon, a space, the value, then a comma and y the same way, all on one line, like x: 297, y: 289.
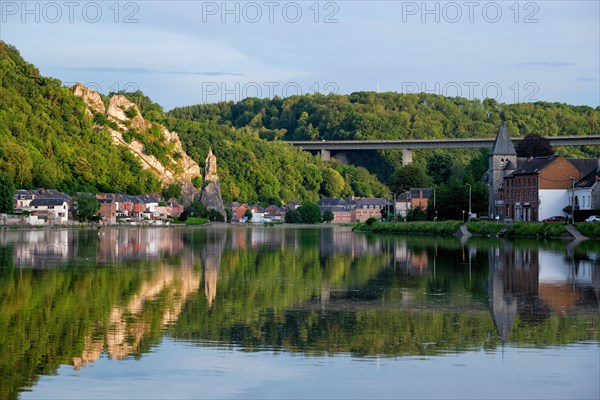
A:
x: 539, y: 189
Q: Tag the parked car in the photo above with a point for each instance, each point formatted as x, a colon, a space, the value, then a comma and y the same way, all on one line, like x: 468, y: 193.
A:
x: 556, y: 218
x: 592, y: 218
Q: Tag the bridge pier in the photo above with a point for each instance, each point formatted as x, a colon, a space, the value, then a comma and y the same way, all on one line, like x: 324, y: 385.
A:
x: 325, y: 155
x: 406, y: 156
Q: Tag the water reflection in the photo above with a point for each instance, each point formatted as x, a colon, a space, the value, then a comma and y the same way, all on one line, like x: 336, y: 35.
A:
x: 72, y: 296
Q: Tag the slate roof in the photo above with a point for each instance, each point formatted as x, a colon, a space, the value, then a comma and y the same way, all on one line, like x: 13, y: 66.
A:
x: 536, y: 165
x: 588, y: 181
x: 415, y: 193
x: 509, y: 166
x: 585, y: 165
x: 367, y: 202
x: 47, y: 202
x: 331, y: 201
x: 51, y: 194
x: 502, y: 144
x: 336, y: 208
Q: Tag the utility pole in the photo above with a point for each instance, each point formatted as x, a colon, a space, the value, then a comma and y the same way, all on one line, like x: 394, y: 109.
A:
x: 572, y: 199
x: 469, y: 217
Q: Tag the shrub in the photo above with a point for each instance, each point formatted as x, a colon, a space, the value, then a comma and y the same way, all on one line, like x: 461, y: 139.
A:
x: 328, y: 216
x: 197, y: 182
x: 310, y: 213
x: 484, y: 228
x: 544, y: 230
x: 437, y: 228
x: 293, y: 217
x: 127, y: 137
x: 131, y: 112
x: 589, y: 229
x: 370, y: 221
x: 194, y: 221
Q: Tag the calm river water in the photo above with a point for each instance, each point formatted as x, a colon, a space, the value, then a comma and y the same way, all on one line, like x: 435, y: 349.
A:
x: 281, y: 312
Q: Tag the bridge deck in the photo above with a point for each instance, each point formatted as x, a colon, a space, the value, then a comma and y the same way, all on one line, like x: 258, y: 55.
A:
x: 413, y: 144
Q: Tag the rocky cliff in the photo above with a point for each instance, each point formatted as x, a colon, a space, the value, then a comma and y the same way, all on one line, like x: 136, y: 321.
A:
x: 127, y: 127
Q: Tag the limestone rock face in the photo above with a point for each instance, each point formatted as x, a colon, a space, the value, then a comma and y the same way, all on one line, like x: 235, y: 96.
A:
x: 91, y: 98
x: 181, y: 169
x: 211, y: 186
x: 116, y: 110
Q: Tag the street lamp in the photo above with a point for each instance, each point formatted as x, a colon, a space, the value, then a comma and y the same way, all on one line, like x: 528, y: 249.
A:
x: 469, y: 217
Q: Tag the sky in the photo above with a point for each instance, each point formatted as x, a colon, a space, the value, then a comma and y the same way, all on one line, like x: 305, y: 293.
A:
x: 189, y: 52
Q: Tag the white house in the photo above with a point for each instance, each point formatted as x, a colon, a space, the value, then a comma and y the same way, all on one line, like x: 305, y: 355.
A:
x: 259, y: 217
x: 54, y: 210
x: 587, y: 191
x: 22, y: 198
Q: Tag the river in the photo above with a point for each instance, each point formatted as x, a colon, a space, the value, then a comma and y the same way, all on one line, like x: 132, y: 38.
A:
x: 295, y: 312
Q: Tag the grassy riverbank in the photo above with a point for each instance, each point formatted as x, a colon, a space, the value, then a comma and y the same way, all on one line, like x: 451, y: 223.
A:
x: 421, y: 227
x: 589, y: 229
x: 484, y: 228
x: 191, y: 221
x: 542, y: 230
x: 481, y: 228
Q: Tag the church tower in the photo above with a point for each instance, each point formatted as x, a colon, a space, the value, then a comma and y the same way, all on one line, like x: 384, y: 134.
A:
x: 502, y: 162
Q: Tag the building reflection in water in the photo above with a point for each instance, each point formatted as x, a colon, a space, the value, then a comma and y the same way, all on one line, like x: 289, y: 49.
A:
x: 524, y: 283
x: 532, y: 283
x: 414, y: 262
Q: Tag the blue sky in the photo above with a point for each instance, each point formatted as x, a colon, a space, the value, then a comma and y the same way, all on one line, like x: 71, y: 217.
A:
x: 189, y: 52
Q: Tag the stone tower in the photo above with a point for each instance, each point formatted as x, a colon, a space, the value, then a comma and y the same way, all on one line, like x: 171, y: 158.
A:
x: 502, y: 162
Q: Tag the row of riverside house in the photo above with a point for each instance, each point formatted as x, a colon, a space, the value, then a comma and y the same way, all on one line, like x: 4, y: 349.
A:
x: 53, y: 207
x: 351, y: 209
x: 260, y: 214
x: 354, y: 209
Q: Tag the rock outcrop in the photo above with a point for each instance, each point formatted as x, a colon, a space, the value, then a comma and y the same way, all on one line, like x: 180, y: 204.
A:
x: 91, y: 98
x: 118, y: 107
x: 211, y: 186
x: 123, y: 116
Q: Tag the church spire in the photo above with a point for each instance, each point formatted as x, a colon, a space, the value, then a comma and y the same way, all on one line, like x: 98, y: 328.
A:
x: 502, y: 144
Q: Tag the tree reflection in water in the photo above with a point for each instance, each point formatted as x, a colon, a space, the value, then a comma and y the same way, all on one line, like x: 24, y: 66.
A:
x: 69, y: 297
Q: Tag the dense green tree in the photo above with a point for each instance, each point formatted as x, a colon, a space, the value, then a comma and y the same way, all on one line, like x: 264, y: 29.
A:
x: 172, y: 191
x: 7, y: 191
x: 368, y: 115
x: 293, y: 217
x: 408, y: 176
x: 452, y: 200
x: 440, y: 167
x: 48, y: 140
x: 416, y: 214
x: 534, y: 145
x: 333, y: 183
x: 41, y: 123
x: 248, y: 214
x: 195, y: 209
x: 87, y: 207
x: 310, y: 213
x: 214, y: 215
x: 328, y: 216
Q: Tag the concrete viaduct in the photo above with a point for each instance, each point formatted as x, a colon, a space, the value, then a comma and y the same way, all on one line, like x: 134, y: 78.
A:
x: 325, y: 147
